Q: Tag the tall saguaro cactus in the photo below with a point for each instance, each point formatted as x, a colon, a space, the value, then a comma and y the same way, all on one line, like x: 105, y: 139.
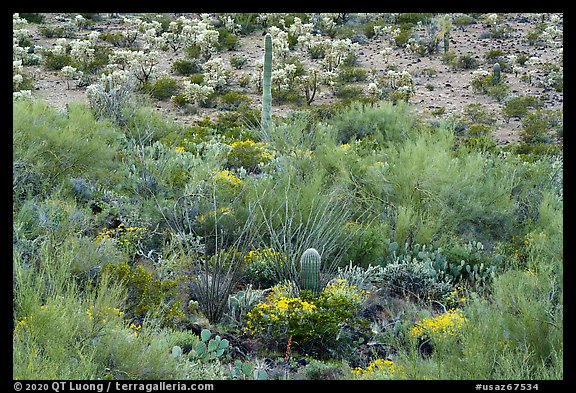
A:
x: 267, y: 84
x: 310, y: 270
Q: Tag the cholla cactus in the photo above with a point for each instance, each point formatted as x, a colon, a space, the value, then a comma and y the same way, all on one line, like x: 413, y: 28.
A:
x: 336, y: 52
x: 216, y: 74
x: 310, y: 270
x: 195, y: 93
x: 70, y: 73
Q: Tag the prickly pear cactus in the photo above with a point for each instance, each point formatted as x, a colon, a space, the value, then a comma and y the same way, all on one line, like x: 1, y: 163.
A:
x: 267, y: 84
x: 310, y: 270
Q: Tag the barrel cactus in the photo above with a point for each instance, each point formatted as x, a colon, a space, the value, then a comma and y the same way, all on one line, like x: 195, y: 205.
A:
x: 267, y: 84
x: 496, y: 74
x: 310, y: 270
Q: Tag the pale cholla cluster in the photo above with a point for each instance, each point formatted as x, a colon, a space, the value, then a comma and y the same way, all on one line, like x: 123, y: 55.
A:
x: 19, y: 32
x: 70, y: 73
x: 280, y: 47
x: 141, y: 63
x: 59, y: 47
x: 389, y: 33
x: 271, y: 19
x: 112, y: 90
x: 113, y: 80
x: 284, y: 78
x: 536, y: 72
x: 21, y: 35
x: 313, y: 43
x: 185, y: 32
x: 297, y: 28
x: 284, y: 75
x: 216, y: 75
x: 336, y: 52
x: 20, y: 55
x: 491, y: 19
x: 231, y: 25
x: 195, y: 93
x: 82, y: 51
x: 479, y: 74
x: 386, y: 52
x: 401, y: 81
x: 327, y: 23
x: 17, y: 77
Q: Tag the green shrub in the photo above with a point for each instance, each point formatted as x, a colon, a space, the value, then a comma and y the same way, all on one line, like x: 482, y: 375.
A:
x: 52, y: 31
x: 320, y: 326
x: 117, y: 39
x: 414, y: 279
x: 32, y: 17
x: 147, y: 296
x: 484, y: 83
x: 54, y: 61
x: 463, y: 20
x: 237, y: 61
x: 163, y: 88
x: 467, y: 62
x: 522, y: 321
x: 450, y: 58
x: 319, y: 370
x: 249, y: 155
x: 261, y: 266
x: 59, y: 146
x: 232, y: 100
x: 247, y: 21
x: 352, y: 74
x: 193, y: 51
x: 385, y: 122
x: 538, y: 126
x: 185, y: 67
x: 81, y: 330
x: 477, y: 113
x: 413, y: 17
x: 227, y: 40
x: 518, y: 106
x: 348, y: 92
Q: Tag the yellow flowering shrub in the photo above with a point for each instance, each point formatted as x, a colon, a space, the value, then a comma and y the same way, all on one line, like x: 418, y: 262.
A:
x: 456, y: 297
x: 249, y: 154
x: 444, y: 325
x: 315, y: 323
x: 126, y: 238
x: 227, y: 177
x: 262, y: 264
x: 147, y: 294
x: 380, y: 369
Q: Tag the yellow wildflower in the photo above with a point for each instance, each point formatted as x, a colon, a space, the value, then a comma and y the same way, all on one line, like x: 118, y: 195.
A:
x: 446, y: 324
x: 227, y: 176
x: 379, y: 368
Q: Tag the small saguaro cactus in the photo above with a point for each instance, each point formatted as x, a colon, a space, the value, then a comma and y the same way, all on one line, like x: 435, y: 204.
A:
x: 267, y: 84
x: 496, y: 74
x: 446, y: 42
x: 310, y: 270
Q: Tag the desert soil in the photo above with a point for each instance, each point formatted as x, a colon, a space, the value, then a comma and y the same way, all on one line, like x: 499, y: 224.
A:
x: 451, y: 88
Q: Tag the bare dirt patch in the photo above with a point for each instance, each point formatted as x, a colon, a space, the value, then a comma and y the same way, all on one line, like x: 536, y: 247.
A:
x: 445, y: 90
